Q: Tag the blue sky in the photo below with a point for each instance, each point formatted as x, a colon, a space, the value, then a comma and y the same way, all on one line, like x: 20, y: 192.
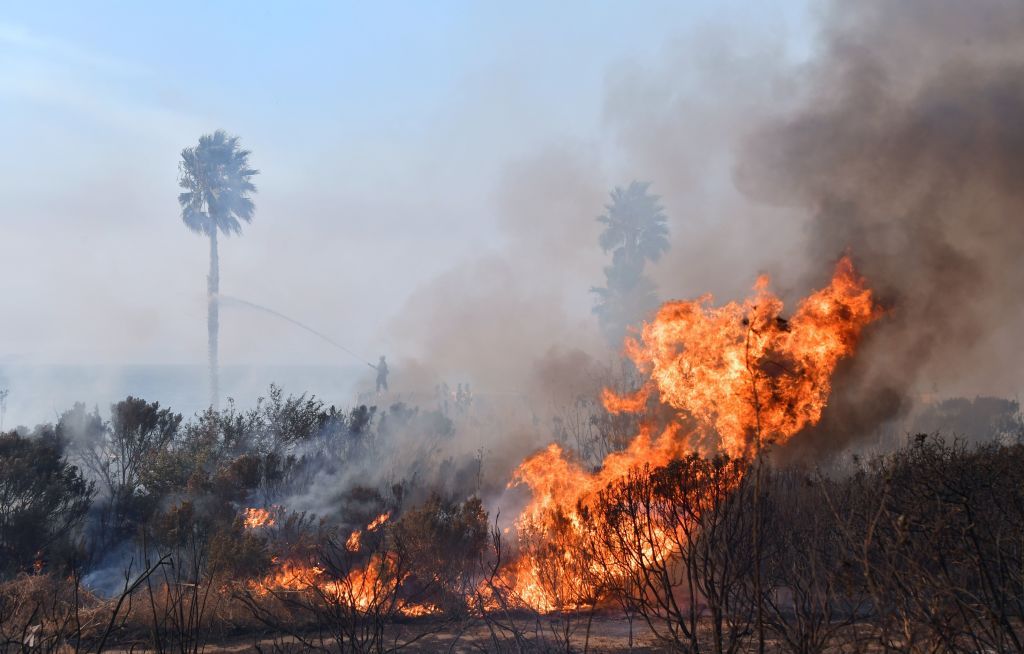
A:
x: 363, y: 63
x: 400, y: 144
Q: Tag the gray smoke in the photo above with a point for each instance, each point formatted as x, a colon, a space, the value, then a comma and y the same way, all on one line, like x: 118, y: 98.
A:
x: 896, y: 138
x: 907, y: 150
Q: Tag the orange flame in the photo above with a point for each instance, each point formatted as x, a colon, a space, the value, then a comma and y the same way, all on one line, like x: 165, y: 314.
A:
x: 740, y: 376
x: 355, y: 538
x: 352, y: 544
x: 363, y: 589
x: 288, y: 577
x: 745, y: 373
x: 256, y: 518
x: 378, y: 521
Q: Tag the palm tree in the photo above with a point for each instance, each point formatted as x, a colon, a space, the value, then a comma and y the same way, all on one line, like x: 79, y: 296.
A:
x: 636, y: 231
x: 636, y: 228
x: 216, y: 177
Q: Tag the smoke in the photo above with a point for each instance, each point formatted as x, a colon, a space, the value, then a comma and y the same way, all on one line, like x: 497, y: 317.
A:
x: 907, y: 150
x: 488, y: 318
x: 894, y: 136
x: 503, y: 319
x: 516, y: 319
x: 680, y: 122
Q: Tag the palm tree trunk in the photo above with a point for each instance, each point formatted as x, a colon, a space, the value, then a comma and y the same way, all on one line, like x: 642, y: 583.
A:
x: 212, y: 318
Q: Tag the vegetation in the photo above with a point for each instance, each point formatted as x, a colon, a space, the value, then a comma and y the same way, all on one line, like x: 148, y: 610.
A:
x: 43, y: 500
x: 131, y: 532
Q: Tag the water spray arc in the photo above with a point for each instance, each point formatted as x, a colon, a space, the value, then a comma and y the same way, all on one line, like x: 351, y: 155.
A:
x: 228, y: 301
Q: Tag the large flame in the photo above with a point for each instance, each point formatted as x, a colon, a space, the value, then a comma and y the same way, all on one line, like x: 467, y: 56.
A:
x: 739, y: 377
x: 742, y: 371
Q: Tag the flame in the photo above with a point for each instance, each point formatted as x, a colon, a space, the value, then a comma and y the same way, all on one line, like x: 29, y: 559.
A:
x: 742, y: 371
x: 419, y: 610
x: 355, y: 538
x: 352, y: 544
x: 256, y: 518
x: 740, y: 376
x: 364, y: 590
x: 378, y: 521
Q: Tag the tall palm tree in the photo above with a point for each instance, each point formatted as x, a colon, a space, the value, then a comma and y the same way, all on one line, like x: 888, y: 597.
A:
x: 216, y: 177
x: 636, y: 229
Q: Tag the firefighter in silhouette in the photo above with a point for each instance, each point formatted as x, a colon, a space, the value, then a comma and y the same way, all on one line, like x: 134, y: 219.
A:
x: 382, y: 373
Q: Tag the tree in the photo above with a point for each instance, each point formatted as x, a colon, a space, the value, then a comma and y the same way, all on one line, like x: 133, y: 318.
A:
x: 636, y: 231
x: 634, y: 225
x: 43, y: 499
x: 217, y: 178
x: 123, y: 455
x: 442, y: 541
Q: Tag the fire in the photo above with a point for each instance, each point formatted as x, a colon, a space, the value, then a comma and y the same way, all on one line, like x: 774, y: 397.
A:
x: 363, y: 589
x: 419, y: 610
x: 735, y: 378
x: 256, y: 518
x: 366, y: 589
x: 742, y: 371
x: 740, y: 376
x: 287, y: 576
x: 378, y: 521
x: 354, y: 539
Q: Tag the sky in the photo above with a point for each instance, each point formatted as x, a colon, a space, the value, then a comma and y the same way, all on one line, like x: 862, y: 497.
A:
x: 400, y: 146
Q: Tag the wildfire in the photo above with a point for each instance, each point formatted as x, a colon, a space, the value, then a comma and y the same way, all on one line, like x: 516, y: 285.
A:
x: 378, y: 521
x: 354, y: 541
x: 362, y: 588
x: 736, y: 377
x: 740, y: 376
x: 355, y: 538
x: 288, y: 576
x: 256, y: 518
x: 742, y: 371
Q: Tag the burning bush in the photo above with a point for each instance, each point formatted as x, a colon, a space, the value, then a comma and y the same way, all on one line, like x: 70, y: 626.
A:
x: 675, y: 543
x: 738, y: 378
x: 442, y: 542
x: 353, y: 584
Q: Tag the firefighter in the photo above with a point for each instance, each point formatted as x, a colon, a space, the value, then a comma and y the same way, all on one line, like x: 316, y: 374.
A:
x: 382, y: 374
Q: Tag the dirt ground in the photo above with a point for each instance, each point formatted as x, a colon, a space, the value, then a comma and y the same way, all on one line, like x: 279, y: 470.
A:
x: 607, y: 634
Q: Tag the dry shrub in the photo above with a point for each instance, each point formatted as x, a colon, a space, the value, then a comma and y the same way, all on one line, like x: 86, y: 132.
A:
x: 44, y: 613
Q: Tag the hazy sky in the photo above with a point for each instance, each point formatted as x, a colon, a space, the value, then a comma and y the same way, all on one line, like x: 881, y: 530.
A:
x: 392, y: 140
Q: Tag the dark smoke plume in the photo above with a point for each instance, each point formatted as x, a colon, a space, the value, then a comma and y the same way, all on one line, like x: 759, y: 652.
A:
x: 907, y: 150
